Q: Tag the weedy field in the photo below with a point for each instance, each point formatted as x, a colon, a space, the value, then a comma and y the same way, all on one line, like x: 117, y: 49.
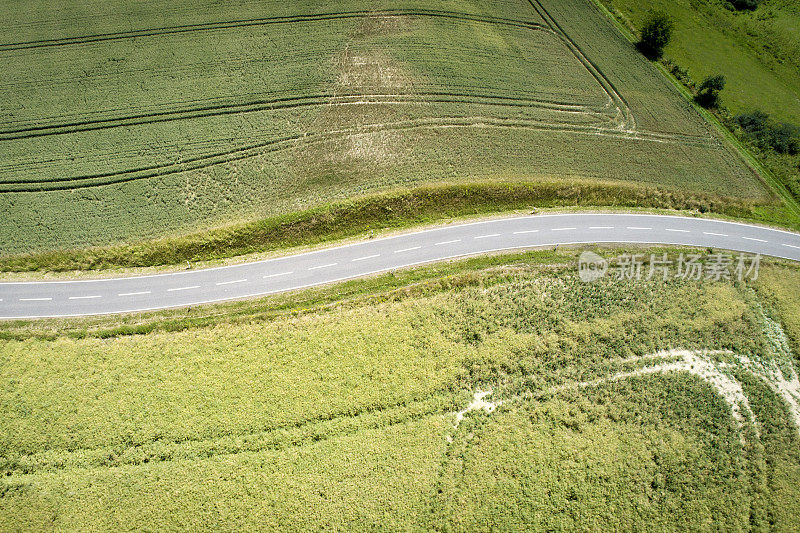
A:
x: 121, y: 123
x: 493, y: 392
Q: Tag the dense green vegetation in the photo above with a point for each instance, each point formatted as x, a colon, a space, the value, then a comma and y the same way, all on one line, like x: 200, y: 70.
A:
x: 287, y: 412
x: 560, y: 461
x: 782, y: 137
x: 141, y: 124
x: 709, y: 90
x: 780, y: 286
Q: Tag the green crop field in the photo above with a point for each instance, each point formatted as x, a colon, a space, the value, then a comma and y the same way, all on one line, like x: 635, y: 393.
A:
x: 122, y: 122
x: 614, y: 405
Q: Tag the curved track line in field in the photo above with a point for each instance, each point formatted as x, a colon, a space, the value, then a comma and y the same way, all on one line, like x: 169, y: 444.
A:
x: 221, y: 443
x: 167, y: 30
x: 292, y: 103
x: 629, y: 122
x: 700, y: 363
x: 293, y: 141
x: 779, y: 375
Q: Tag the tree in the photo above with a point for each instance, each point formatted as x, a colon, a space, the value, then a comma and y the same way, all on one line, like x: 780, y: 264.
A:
x: 656, y: 33
x: 708, y: 92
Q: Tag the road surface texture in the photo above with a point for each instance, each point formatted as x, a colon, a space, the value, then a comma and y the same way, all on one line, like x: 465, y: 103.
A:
x: 193, y: 287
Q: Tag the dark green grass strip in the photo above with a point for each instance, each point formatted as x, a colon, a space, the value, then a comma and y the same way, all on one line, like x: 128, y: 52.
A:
x: 390, y: 210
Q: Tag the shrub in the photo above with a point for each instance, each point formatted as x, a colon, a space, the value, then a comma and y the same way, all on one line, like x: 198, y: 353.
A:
x: 656, y: 34
x: 708, y: 92
x: 755, y: 123
x: 679, y: 72
x: 744, y: 4
x: 784, y: 138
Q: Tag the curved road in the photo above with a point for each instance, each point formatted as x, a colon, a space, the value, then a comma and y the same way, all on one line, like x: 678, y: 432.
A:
x: 192, y: 287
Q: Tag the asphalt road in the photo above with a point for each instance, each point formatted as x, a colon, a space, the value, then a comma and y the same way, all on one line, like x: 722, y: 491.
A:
x: 193, y: 287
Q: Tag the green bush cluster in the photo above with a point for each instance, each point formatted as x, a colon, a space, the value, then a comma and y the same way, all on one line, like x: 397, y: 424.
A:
x: 708, y: 91
x: 656, y: 34
x: 782, y: 137
x: 745, y: 4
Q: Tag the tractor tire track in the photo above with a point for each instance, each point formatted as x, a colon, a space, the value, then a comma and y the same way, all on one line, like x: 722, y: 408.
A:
x: 168, y: 30
x: 294, y: 141
x: 629, y: 121
x: 288, y: 103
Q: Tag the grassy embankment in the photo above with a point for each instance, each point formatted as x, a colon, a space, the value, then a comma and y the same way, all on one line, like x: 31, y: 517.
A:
x: 393, y: 210
x: 286, y: 412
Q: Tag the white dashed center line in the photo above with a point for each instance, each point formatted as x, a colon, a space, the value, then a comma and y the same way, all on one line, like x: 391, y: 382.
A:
x: 323, y: 266
x: 232, y: 282
x: 183, y: 288
x: 407, y: 249
x: 429, y: 249
x: 133, y: 293
x: 276, y: 275
x: 365, y: 258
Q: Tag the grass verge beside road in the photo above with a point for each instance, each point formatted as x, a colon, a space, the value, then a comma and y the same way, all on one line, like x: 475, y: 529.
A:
x: 391, y: 210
